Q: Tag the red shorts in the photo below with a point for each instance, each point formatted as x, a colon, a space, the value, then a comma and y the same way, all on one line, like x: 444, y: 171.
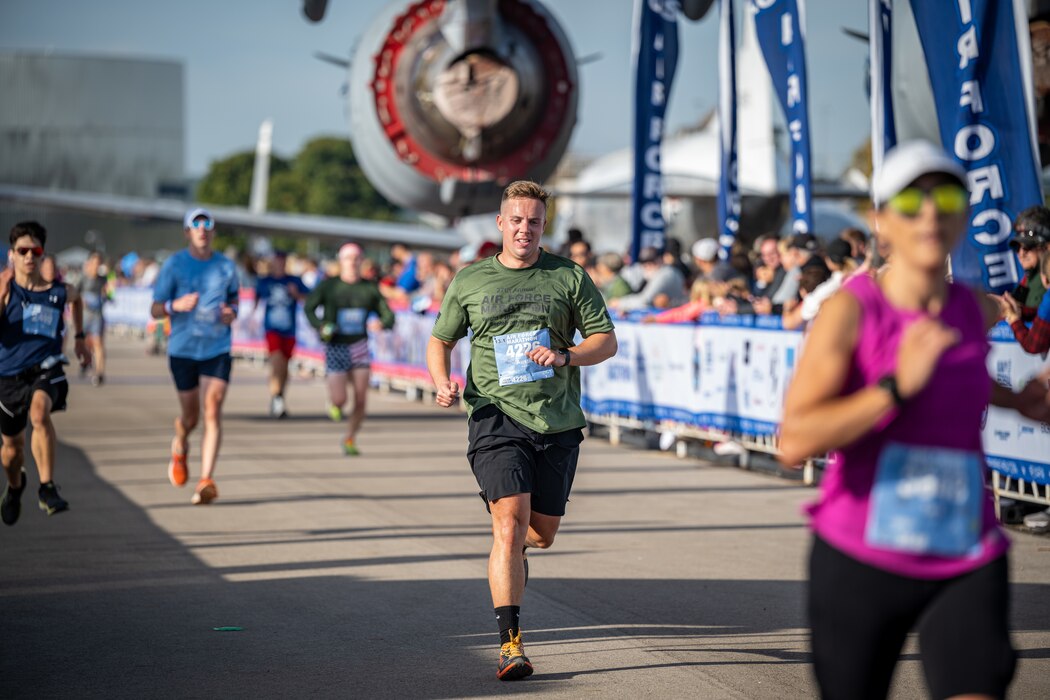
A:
x: 284, y: 344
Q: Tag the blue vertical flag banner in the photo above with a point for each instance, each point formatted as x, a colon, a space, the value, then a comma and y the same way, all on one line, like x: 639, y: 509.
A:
x: 728, y: 185
x: 979, y: 58
x: 778, y: 24
x: 880, y: 67
x: 655, y: 58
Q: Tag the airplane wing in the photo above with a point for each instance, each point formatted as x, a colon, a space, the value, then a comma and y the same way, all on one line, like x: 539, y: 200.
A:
x: 303, y: 225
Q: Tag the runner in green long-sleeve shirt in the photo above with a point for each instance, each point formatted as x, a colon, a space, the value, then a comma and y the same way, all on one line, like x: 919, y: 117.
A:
x: 346, y: 302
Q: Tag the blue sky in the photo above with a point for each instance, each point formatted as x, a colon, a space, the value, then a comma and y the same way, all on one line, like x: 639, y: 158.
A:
x: 247, y: 61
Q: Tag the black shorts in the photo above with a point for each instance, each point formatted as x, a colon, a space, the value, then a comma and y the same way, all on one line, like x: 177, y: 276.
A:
x: 507, y: 458
x: 861, y: 615
x: 187, y: 373
x: 16, y: 394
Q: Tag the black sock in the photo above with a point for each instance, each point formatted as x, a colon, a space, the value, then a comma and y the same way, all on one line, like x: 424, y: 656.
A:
x: 507, y: 618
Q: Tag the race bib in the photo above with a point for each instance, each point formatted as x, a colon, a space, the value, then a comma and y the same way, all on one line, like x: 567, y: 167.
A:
x: 38, y: 319
x: 926, y: 500
x: 281, y: 318
x: 351, y: 321
x: 513, y: 366
x: 206, y: 322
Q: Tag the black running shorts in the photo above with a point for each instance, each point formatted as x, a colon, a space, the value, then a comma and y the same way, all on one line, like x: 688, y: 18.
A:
x: 507, y: 458
x: 860, y: 617
x: 187, y: 372
x: 16, y: 394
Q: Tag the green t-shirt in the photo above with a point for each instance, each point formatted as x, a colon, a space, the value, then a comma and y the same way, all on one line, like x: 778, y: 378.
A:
x: 493, y: 300
x: 617, y: 288
x: 347, y: 305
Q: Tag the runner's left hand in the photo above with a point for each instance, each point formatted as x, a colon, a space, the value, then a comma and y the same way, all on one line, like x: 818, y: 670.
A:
x: 226, y: 314
x: 81, y: 351
x: 1033, y: 400
x: 546, y: 357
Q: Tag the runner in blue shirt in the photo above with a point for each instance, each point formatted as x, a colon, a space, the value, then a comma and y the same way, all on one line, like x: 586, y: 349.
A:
x: 197, y: 287
x: 32, y: 382
x: 281, y: 293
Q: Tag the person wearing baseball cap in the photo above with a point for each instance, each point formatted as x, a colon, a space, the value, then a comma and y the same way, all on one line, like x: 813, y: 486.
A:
x: 1030, y: 241
x: 197, y: 288
x: 893, y: 382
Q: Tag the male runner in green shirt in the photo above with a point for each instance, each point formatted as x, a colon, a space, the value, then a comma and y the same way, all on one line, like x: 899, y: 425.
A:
x: 347, y: 301
x: 524, y: 307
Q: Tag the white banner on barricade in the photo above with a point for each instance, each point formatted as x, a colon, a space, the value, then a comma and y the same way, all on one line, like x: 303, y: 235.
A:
x: 730, y: 375
x: 1015, y: 446
x: 130, y: 306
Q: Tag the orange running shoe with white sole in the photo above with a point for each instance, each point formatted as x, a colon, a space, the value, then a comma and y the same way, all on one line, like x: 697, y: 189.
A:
x: 206, y: 492
x: 177, y: 471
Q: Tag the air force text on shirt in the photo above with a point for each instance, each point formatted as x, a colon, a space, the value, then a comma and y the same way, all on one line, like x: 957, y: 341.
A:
x: 516, y: 301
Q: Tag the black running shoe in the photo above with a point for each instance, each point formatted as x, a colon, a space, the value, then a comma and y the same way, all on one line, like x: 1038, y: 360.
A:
x: 50, y: 501
x: 11, y: 505
x: 513, y: 664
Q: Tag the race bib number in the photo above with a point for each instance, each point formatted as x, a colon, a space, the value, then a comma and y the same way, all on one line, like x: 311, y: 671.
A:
x: 351, y: 321
x: 926, y: 500
x: 38, y: 319
x: 206, y: 322
x: 281, y: 318
x: 512, y: 364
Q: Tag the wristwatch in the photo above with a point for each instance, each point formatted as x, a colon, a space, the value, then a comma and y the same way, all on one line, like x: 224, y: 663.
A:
x: 889, y: 383
x: 565, y: 353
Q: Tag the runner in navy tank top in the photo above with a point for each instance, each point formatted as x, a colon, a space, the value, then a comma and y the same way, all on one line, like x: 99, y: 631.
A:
x: 32, y: 381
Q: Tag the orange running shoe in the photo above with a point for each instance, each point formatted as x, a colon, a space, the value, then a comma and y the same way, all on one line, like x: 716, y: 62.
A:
x: 177, y: 471
x: 513, y: 664
x: 206, y: 492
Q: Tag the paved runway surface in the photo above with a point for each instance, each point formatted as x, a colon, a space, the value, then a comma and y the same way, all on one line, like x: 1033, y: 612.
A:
x: 365, y: 577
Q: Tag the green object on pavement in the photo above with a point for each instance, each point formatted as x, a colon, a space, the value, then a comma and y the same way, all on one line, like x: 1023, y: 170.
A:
x: 228, y: 629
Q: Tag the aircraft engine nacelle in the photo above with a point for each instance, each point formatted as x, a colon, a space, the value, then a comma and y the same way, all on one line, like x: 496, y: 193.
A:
x: 452, y: 99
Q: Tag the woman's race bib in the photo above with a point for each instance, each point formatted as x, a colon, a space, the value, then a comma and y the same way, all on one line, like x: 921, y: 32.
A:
x: 351, y: 321
x: 513, y: 366
x: 38, y: 319
x: 926, y: 500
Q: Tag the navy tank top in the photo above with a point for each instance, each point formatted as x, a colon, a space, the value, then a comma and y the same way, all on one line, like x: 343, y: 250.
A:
x: 31, y: 329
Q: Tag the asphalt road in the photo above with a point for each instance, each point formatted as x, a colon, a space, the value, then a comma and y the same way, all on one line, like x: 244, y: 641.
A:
x: 365, y: 577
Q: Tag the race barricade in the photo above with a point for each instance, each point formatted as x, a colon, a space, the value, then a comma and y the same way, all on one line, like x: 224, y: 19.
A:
x: 1018, y: 449
x: 721, y: 380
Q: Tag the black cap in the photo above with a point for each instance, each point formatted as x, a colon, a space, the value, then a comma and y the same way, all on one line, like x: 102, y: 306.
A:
x: 1030, y: 236
x: 804, y: 241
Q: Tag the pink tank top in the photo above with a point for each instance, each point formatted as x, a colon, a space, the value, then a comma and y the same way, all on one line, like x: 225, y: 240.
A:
x: 945, y: 418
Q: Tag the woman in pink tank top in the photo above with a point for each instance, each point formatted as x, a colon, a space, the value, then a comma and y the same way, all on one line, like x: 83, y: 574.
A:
x: 893, y: 382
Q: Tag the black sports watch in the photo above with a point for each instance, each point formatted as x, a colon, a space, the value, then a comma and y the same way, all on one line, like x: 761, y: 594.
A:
x: 568, y: 357
x: 889, y: 383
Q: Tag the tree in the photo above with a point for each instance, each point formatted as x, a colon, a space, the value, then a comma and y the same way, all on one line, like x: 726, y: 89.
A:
x: 336, y: 185
x: 229, y: 181
x: 324, y: 178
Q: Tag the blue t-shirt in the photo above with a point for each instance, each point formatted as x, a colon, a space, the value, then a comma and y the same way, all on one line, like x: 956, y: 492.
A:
x: 280, y: 304
x: 1044, y: 308
x: 407, y: 281
x: 199, y: 334
x: 31, y: 329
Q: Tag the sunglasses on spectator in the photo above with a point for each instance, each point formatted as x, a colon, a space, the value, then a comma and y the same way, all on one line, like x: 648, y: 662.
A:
x: 206, y: 224
x: 947, y: 199
x: 37, y: 251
